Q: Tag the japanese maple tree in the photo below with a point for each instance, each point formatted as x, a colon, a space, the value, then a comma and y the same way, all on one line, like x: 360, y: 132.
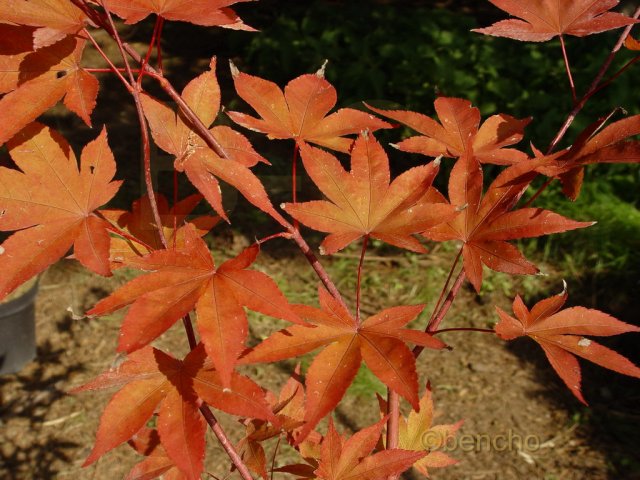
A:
x: 57, y: 206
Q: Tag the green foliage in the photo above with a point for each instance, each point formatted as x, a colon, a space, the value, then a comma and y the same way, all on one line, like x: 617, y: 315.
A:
x: 409, y: 54
x: 612, y: 243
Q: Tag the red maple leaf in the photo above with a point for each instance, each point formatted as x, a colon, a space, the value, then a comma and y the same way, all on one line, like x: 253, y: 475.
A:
x: 174, y: 135
x: 45, y: 77
x: 460, y: 123
x: 51, y: 203
x: 380, y: 341
x: 592, y: 146
x: 560, y: 333
x: 209, y: 13
x: 486, y: 223
x: 185, y: 277
x: 301, y: 111
x: 544, y: 19
x: 364, y: 202
x: 150, y: 379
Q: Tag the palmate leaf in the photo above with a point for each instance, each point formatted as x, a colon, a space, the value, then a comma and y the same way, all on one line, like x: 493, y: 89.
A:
x: 365, y: 201
x: 185, y: 277
x: 487, y: 222
x: 460, y: 124
x: 203, y: 167
x: 301, y: 111
x: 541, y: 20
x: 150, y: 378
x: 51, y: 204
x: 561, y: 334
x: 209, y: 13
x: 380, y: 341
x: 594, y: 145
x: 45, y: 77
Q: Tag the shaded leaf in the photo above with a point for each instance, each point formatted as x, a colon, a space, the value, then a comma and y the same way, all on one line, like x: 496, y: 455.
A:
x: 560, y: 333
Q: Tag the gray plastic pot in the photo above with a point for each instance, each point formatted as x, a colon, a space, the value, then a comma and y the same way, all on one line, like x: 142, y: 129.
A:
x: 18, y: 331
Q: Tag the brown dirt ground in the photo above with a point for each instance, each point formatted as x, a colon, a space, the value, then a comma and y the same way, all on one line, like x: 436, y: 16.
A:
x: 46, y: 433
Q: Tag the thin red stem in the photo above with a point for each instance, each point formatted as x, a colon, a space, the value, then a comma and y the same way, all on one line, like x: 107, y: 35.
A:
x: 594, y: 85
x: 152, y: 44
x: 613, y: 77
x: 175, y: 201
x: 294, y: 178
x: 118, y: 231
x: 433, y: 326
x: 567, y: 67
x: 159, y: 45
x: 393, y: 410
x: 144, y: 131
x: 112, y: 67
x: 275, y: 235
x: 275, y: 453
x: 445, y: 286
x: 464, y: 329
x: 365, y: 242
x: 542, y: 188
x: 106, y: 70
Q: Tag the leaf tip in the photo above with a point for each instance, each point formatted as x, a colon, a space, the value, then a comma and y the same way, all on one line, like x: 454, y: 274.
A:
x: 234, y: 70
x: 321, y: 70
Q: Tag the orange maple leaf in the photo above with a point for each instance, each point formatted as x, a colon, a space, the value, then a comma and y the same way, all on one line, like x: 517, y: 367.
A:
x: 300, y: 113
x: 560, y: 333
x: 51, y: 203
x: 380, y: 341
x: 364, y: 202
